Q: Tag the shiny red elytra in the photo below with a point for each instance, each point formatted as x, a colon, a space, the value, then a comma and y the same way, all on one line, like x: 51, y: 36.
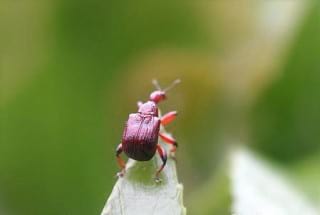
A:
x: 140, y: 135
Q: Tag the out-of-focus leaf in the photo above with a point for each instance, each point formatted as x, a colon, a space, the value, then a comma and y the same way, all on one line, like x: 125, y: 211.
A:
x: 286, y: 118
x: 258, y: 188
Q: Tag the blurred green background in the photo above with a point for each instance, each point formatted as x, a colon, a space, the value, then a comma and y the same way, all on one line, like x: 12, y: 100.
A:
x: 72, y: 71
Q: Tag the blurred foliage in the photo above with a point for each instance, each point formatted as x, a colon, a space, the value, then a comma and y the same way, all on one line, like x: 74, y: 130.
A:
x: 307, y: 176
x: 71, y: 71
x: 217, y: 190
x: 286, y: 117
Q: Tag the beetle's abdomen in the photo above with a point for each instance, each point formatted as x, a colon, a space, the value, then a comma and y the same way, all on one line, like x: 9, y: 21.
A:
x: 140, y: 136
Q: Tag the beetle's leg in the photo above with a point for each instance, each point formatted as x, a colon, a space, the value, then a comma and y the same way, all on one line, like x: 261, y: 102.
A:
x: 120, y: 161
x: 168, y: 117
x: 139, y: 103
x: 170, y: 140
x: 163, y: 156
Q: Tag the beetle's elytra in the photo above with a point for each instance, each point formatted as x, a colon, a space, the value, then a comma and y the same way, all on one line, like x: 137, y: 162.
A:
x: 140, y: 135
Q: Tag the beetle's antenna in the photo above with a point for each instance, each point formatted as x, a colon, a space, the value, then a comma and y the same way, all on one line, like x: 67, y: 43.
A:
x: 156, y: 84
x: 174, y: 83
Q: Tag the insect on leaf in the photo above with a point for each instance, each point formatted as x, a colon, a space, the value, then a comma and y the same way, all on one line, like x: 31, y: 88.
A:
x: 138, y: 193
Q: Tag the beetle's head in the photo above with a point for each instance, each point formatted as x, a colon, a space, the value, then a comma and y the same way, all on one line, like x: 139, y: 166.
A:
x: 157, y: 96
x: 160, y: 95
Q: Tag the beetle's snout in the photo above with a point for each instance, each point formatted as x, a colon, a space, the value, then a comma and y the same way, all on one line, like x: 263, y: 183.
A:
x: 157, y: 96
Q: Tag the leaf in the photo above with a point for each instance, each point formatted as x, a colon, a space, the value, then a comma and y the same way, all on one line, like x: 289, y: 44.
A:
x: 138, y: 193
x: 258, y: 188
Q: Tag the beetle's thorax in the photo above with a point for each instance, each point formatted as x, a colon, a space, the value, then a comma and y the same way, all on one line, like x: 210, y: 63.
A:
x: 149, y: 108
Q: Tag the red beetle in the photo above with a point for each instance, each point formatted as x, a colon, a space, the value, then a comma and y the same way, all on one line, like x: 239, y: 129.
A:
x: 140, y: 135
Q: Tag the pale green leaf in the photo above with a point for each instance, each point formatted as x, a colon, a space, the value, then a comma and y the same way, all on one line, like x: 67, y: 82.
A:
x: 260, y: 188
x: 138, y: 193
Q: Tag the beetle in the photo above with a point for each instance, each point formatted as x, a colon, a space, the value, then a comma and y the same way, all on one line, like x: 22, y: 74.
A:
x: 140, y: 135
